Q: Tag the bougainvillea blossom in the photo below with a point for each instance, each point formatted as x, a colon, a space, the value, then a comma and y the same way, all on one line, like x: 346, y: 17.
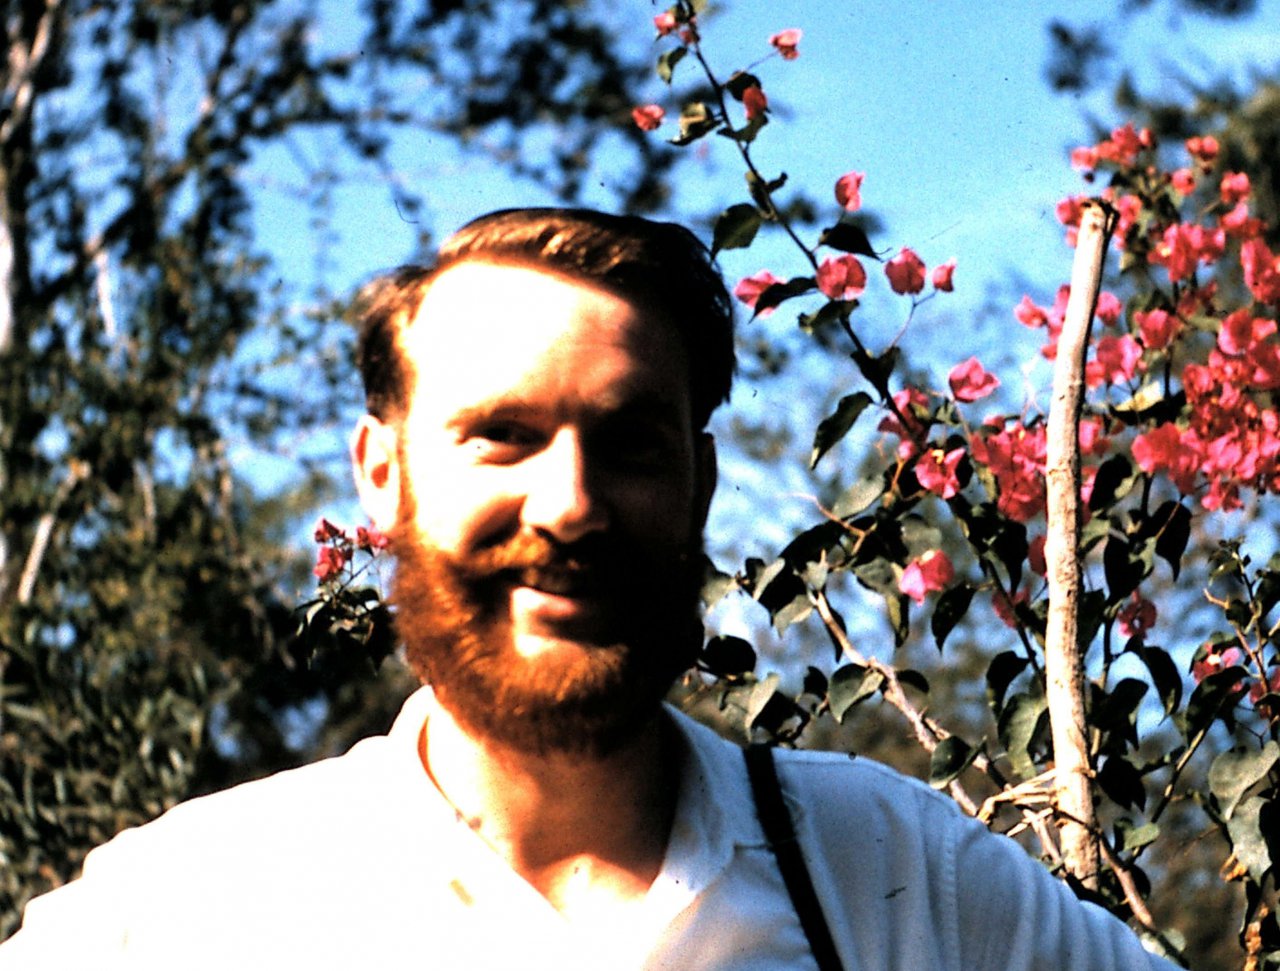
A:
x: 1015, y: 456
x: 749, y: 289
x: 1115, y: 360
x: 1109, y: 308
x: 1241, y: 332
x: 1136, y: 617
x: 936, y: 471
x: 942, y: 276
x: 1156, y: 328
x: 665, y: 23
x: 1261, y: 271
x: 970, y: 381
x: 1203, y: 148
x: 786, y: 42
x: 911, y: 404
x: 329, y: 562
x: 849, y: 191
x: 1234, y: 188
x: 755, y: 102
x: 930, y: 573
x: 906, y: 272
x: 842, y: 277
x: 1184, y: 181
x: 647, y: 117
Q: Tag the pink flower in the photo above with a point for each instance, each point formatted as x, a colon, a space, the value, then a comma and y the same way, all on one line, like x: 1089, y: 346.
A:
x: 1069, y: 210
x: 786, y: 42
x: 1084, y: 158
x: 1240, y: 332
x: 1035, y: 556
x: 647, y: 117
x: 1030, y: 314
x: 1184, y: 181
x: 905, y: 272
x: 911, y: 403
x: 971, y: 382
x: 1237, y: 222
x: 1116, y: 359
x: 370, y: 539
x: 936, y: 471
x: 326, y: 531
x: 329, y: 562
x: 842, y: 277
x: 942, y: 274
x: 1261, y: 271
x: 1109, y: 308
x: 1006, y: 607
x: 1136, y: 617
x: 754, y: 100
x: 1234, y: 188
x: 749, y: 289
x: 1215, y: 659
x: 849, y: 191
x: 928, y: 574
x: 1167, y: 448
x: 665, y: 23
x: 1203, y: 149
x: 1157, y: 328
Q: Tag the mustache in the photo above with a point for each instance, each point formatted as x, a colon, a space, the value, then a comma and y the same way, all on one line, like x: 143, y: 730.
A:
x: 538, y: 560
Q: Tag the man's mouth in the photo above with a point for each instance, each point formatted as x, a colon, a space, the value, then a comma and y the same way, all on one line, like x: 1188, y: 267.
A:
x: 561, y: 582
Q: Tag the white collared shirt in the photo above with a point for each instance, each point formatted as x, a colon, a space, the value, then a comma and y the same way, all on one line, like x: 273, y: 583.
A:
x: 359, y: 862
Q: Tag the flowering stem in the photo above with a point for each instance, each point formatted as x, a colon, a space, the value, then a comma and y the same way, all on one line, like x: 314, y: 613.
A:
x: 1064, y: 664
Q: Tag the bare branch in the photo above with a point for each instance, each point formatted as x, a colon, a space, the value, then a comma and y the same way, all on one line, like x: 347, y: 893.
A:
x: 1064, y: 664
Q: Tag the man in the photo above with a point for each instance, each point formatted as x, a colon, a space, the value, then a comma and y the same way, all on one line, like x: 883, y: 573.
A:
x: 535, y: 446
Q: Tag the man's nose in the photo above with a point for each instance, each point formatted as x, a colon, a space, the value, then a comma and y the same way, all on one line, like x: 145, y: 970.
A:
x: 562, y: 498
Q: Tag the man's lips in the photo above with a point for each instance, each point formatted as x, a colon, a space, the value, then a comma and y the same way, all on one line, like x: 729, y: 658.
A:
x: 559, y: 582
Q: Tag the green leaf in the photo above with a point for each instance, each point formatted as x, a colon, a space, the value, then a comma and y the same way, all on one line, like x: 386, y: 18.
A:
x: 1126, y: 565
x: 1115, y: 477
x: 1235, y: 772
x: 735, y: 228
x: 952, y: 756
x: 1164, y: 675
x: 1004, y: 667
x: 738, y: 83
x: 1117, y: 711
x: 774, y: 295
x: 1019, y: 725
x: 1149, y: 406
x: 851, y: 684
x: 1122, y: 783
x: 952, y: 605
x: 1213, y: 698
x: 835, y: 426
x: 726, y: 656
x: 760, y: 696
x: 696, y: 120
x: 877, y: 370
x: 848, y: 238
x: 667, y: 62
x: 1254, y: 833
x: 1171, y: 540
x: 858, y: 498
x: 1130, y: 837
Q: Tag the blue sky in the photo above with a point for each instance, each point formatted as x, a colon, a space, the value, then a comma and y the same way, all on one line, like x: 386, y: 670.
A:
x: 944, y: 106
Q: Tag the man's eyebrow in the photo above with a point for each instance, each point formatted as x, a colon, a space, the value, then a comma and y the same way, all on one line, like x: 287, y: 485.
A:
x: 627, y: 406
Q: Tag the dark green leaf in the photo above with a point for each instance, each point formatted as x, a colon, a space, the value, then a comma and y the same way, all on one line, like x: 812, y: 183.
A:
x: 1214, y: 697
x: 1235, y: 772
x: 1004, y: 667
x: 725, y: 656
x: 1175, y: 531
x: 735, y: 228
x: 952, y: 756
x: 774, y: 295
x: 1115, y: 477
x: 1124, y: 567
x: 1122, y: 783
x: 848, y: 238
x: 858, y: 498
x: 877, y: 370
x: 815, y: 682
x: 738, y: 83
x: 1019, y: 725
x: 1165, y: 676
x: 952, y: 605
x: 1130, y: 837
x: 851, y: 684
x: 912, y: 678
x: 835, y: 426
x: 696, y: 120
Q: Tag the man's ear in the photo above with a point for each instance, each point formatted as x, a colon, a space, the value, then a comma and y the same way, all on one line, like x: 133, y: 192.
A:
x: 705, y: 471
x: 376, y: 463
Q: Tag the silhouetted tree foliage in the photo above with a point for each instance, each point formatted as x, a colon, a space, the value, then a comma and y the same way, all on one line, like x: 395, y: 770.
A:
x: 146, y: 593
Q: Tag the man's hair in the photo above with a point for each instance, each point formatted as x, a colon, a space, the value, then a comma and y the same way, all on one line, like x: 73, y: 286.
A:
x: 661, y: 267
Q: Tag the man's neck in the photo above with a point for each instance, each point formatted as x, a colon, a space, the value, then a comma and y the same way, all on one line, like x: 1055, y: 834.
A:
x: 589, y: 833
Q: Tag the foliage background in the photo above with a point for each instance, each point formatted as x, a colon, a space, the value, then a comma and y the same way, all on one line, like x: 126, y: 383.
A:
x: 179, y: 183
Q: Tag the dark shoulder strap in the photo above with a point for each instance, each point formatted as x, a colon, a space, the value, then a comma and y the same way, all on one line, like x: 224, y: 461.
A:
x: 781, y: 834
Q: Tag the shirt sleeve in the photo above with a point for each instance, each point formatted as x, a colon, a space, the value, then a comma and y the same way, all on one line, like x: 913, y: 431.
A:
x: 1012, y: 913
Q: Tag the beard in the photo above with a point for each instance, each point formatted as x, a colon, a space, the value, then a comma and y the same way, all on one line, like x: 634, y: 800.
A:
x: 587, y: 697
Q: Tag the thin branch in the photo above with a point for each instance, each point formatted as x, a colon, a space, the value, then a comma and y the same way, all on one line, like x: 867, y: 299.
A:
x: 1064, y: 663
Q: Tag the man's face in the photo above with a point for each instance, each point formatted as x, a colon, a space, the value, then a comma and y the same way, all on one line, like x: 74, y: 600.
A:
x: 552, y: 493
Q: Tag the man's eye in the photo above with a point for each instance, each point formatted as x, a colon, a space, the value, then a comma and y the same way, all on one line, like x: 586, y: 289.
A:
x: 502, y: 440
